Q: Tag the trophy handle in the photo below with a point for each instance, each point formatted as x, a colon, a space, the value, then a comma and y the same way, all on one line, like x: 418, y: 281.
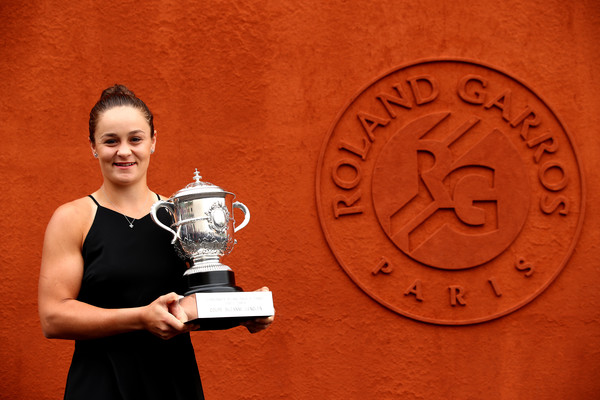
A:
x: 171, y: 208
x: 242, y: 207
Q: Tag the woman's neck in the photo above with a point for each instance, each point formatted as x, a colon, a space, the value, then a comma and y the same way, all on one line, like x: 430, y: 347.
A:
x: 132, y: 200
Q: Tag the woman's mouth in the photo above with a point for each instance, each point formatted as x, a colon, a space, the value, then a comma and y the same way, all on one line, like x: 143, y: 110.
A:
x: 124, y: 164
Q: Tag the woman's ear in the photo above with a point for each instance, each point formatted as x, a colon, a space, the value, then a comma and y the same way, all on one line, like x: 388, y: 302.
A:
x: 153, y: 147
x: 93, y: 146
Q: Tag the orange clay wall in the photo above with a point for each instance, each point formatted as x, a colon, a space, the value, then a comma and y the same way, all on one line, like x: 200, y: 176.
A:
x: 421, y: 178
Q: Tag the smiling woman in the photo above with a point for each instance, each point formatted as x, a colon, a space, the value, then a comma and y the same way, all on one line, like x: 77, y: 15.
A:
x: 109, y: 274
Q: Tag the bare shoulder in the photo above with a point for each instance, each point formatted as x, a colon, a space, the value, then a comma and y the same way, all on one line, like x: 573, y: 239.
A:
x: 73, y: 211
x: 73, y: 218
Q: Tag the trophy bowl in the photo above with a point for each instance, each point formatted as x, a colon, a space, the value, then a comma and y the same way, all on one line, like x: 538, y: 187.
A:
x: 203, y: 232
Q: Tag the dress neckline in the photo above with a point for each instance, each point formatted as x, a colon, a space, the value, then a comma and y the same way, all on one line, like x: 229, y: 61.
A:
x: 124, y: 215
x: 120, y: 213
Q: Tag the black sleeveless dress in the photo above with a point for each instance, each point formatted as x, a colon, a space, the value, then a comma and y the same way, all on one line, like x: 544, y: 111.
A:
x: 131, y: 267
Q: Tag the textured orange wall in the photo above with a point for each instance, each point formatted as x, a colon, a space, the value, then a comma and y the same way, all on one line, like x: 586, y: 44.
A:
x: 246, y: 91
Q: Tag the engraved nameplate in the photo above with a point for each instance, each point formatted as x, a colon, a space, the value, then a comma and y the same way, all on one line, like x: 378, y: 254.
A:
x: 236, y: 304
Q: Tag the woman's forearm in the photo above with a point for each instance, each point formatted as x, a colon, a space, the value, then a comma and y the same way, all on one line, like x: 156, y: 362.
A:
x: 72, y: 319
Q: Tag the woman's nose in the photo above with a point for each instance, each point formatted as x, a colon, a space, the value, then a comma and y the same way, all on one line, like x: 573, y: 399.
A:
x: 124, y: 150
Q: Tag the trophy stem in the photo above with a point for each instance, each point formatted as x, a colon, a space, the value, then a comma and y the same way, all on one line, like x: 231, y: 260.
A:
x: 206, y: 263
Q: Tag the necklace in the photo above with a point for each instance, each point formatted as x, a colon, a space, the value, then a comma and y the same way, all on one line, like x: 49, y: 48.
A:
x: 117, y: 208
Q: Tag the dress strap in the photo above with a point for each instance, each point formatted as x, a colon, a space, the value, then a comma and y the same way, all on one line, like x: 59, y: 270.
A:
x: 158, y: 195
x: 92, y: 197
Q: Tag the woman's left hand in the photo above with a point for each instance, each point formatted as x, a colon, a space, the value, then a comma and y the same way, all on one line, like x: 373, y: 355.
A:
x: 259, y: 324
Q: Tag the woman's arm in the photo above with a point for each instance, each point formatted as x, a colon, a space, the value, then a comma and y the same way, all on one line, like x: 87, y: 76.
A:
x: 61, y: 314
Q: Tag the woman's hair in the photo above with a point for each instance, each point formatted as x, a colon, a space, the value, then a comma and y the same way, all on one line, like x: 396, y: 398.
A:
x: 118, y: 96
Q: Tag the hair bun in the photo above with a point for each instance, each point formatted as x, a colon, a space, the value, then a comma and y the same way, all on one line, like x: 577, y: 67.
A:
x: 116, y: 89
x: 118, y: 96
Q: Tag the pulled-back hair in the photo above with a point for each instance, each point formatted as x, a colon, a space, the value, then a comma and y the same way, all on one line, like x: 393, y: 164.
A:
x: 117, y: 96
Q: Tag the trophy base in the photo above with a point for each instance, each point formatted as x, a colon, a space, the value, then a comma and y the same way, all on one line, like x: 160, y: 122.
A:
x: 225, y: 310
x: 211, y: 282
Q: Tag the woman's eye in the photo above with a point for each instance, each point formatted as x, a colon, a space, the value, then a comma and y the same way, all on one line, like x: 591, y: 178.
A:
x: 109, y: 142
x: 136, y: 139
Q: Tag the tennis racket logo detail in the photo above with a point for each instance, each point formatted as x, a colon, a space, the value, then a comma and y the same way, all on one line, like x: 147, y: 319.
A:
x: 450, y: 209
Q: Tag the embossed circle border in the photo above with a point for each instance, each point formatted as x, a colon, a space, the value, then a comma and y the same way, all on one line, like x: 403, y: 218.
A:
x: 541, y: 289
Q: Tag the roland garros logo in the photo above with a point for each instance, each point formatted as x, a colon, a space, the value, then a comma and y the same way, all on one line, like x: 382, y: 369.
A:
x: 449, y: 192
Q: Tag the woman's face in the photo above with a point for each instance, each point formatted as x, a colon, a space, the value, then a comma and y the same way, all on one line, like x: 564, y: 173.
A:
x: 123, y: 142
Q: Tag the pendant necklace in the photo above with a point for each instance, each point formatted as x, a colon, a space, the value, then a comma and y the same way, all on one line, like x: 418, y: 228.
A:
x: 117, y: 209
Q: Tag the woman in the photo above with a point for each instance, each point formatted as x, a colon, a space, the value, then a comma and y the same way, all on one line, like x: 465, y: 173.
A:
x: 109, y: 274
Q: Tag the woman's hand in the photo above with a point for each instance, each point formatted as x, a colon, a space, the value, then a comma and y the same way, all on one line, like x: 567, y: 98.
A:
x: 185, y: 310
x: 259, y: 324
x: 164, y: 317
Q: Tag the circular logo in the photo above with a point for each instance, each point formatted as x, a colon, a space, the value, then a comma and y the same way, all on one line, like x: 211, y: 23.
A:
x: 449, y: 192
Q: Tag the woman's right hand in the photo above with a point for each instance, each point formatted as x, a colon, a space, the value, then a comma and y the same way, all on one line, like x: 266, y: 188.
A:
x: 164, y: 317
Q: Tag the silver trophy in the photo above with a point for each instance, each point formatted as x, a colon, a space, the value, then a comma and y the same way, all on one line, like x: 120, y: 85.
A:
x: 203, y: 228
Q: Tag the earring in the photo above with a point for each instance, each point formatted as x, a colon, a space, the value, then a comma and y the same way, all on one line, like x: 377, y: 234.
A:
x: 151, y: 151
x: 95, y: 155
